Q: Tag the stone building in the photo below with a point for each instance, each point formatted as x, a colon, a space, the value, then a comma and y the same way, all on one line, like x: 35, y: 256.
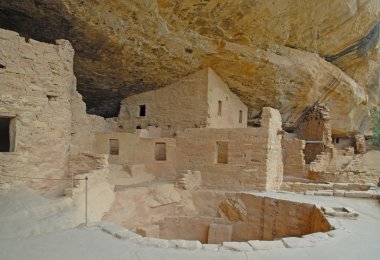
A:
x: 199, y: 100
x: 43, y: 120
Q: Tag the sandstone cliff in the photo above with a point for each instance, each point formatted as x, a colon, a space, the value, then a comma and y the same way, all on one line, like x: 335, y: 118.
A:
x: 285, y: 54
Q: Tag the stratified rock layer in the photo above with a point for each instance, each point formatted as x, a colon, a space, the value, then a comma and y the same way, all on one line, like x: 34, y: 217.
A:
x: 284, y: 54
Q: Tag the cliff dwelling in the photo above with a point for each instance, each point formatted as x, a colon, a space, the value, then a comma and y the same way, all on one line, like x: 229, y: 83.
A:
x: 144, y: 130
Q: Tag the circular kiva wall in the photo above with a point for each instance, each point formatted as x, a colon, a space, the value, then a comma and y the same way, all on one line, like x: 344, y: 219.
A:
x: 244, y: 217
x: 213, y: 216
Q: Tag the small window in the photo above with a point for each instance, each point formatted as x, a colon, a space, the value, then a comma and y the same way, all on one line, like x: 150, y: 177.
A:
x: 241, y: 116
x: 222, y: 152
x: 219, y: 108
x: 5, y: 135
x: 142, y: 112
x: 160, y: 152
x: 114, y: 146
x: 337, y: 140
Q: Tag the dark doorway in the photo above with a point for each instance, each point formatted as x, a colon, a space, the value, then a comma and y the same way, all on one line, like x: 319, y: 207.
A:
x: 5, y: 140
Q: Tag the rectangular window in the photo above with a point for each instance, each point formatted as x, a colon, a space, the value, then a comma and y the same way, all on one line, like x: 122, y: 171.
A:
x: 114, y: 146
x: 160, y: 152
x: 5, y: 135
x: 142, y: 110
x: 222, y: 152
x: 219, y: 108
x: 241, y: 116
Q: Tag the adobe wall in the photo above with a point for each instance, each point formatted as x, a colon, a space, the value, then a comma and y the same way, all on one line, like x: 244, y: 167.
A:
x: 175, y: 107
x: 293, y: 157
x: 254, y: 155
x: 231, y: 105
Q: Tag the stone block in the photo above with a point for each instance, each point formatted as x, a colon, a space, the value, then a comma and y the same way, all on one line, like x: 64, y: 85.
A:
x: 323, y: 193
x: 329, y: 211
x: 112, y: 228
x: 358, y: 194
x: 266, y: 245
x: 210, y: 247
x: 316, y: 237
x: 338, y: 193
x: 127, y: 235
x: 309, y: 192
x: 296, y: 242
x: 155, y: 242
x: 219, y: 233
x: 237, y: 246
x: 149, y: 231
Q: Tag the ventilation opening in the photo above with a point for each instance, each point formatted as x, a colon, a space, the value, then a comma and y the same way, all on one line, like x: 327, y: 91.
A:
x: 114, y: 146
x: 142, y: 110
x: 241, y: 116
x: 6, y: 134
x: 219, y: 108
x: 222, y: 150
x: 160, y: 152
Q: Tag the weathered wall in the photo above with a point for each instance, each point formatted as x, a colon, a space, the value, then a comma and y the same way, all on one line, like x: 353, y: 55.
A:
x: 51, y: 127
x: 192, y: 102
x: 127, y: 145
x: 315, y: 125
x: 293, y: 157
x: 36, y: 85
x: 254, y: 155
x: 264, y: 219
x: 175, y: 107
x: 231, y: 105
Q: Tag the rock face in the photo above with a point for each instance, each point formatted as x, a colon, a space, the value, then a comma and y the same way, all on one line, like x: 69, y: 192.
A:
x: 284, y: 54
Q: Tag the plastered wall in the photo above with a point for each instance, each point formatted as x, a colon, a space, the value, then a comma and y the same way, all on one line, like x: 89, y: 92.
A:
x: 218, y: 91
x: 175, y: 107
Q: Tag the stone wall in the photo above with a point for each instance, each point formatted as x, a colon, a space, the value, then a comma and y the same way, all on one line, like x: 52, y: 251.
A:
x: 49, y: 125
x: 175, y: 107
x: 314, y: 125
x: 199, y: 100
x: 232, y: 108
x: 36, y: 85
x: 253, y: 161
x: 293, y: 157
x: 263, y: 218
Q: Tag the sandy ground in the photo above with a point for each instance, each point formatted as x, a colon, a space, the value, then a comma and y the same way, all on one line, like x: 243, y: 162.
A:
x: 360, y: 239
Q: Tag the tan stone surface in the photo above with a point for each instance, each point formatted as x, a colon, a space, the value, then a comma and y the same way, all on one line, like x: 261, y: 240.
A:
x: 270, y: 54
x: 192, y: 102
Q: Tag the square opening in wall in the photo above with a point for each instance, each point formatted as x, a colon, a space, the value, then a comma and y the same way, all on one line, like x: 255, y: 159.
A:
x: 142, y: 111
x: 7, y: 134
x: 222, y: 152
x: 160, y: 152
x: 114, y: 146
